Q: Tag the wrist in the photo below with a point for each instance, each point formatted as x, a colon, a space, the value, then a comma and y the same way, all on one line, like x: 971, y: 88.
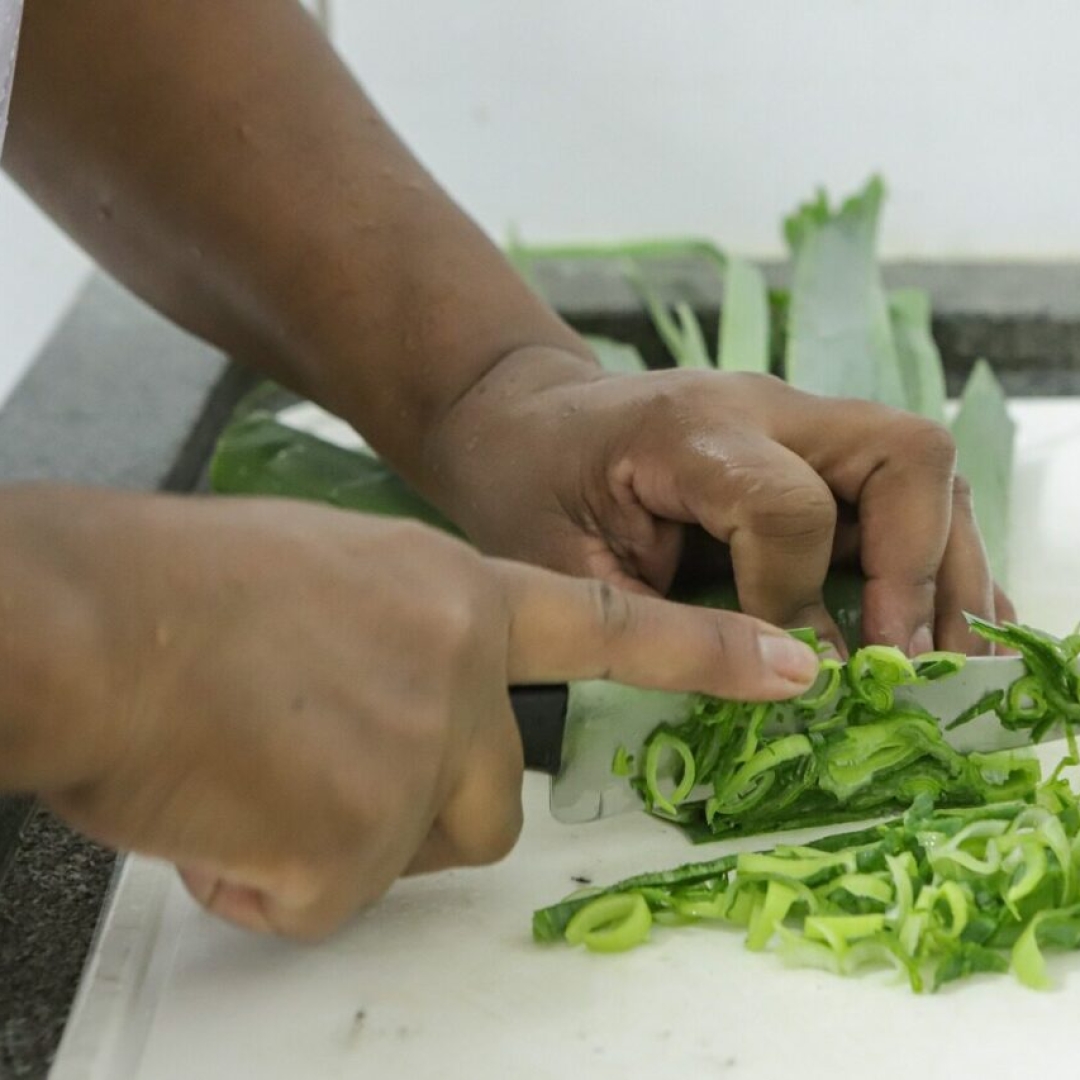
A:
x: 493, y: 418
x: 57, y: 671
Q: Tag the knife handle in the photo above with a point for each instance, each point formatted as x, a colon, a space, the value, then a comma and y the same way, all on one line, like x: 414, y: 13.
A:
x: 540, y: 712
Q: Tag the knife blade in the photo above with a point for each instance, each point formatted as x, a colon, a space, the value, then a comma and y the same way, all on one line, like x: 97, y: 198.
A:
x: 572, y: 733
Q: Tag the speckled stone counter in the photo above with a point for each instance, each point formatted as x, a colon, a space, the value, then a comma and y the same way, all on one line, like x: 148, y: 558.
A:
x: 119, y: 397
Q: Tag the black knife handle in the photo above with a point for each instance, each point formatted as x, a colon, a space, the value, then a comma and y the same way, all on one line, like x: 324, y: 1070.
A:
x: 540, y: 712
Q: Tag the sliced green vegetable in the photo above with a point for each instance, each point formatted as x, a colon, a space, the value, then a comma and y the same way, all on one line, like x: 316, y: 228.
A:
x: 623, y: 762
x: 854, y: 752
x: 612, y: 923
x: 939, y: 894
x: 661, y: 743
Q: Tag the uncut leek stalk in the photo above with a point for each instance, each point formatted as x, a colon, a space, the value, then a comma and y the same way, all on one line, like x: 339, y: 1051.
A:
x: 744, y: 321
x: 985, y: 434
x: 921, y: 370
x: 840, y: 340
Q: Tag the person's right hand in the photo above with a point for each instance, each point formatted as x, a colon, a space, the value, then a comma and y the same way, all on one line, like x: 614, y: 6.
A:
x: 297, y: 705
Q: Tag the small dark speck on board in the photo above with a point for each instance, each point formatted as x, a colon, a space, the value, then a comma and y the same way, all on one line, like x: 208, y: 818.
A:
x: 357, y: 1025
x: 579, y: 880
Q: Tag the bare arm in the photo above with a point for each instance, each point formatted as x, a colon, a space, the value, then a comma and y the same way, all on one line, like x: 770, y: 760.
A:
x: 221, y: 161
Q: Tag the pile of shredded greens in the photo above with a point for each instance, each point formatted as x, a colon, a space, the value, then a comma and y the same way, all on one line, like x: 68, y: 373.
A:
x: 941, y: 893
x: 848, y: 749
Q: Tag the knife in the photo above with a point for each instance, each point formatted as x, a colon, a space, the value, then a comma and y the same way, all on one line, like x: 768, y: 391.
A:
x: 572, y: 733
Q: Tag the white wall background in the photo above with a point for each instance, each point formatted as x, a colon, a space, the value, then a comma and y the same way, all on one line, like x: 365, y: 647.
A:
x: 579, y: 118
x: 602, y: 118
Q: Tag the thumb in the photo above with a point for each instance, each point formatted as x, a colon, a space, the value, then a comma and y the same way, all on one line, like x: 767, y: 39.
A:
x: 564, y: 628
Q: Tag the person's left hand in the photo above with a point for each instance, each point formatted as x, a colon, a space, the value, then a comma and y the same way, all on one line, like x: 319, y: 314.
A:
x: 596, y: 474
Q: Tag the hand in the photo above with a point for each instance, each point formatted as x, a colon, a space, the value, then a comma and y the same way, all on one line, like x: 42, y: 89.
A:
x: 599, y: 475
x: 297, y: 705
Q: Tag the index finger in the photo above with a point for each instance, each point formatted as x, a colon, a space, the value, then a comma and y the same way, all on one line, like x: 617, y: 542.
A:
x: 563, y: 628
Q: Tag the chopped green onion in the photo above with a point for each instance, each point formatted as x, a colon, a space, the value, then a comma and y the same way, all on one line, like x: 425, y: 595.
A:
x: 611, y: 923
x: 623, y: 762
x: 659, y: 743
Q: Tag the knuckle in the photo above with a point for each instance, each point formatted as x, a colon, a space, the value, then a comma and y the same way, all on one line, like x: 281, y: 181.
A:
x: 612, y: 607
x: 454, y: 622
x: 754, y: 383
x: 928, y: 444
x: 803, y: 512
x: 962, y: 495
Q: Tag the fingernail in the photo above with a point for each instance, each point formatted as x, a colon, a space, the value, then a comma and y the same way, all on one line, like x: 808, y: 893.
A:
x: 921, y: 641
x: 788, y: 658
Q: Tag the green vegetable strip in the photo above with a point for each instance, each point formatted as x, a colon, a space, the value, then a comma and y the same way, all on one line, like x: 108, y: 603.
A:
x: 921, y: 371
x: 744, y: 319
x: 984, y: 434
x: 840, y: 340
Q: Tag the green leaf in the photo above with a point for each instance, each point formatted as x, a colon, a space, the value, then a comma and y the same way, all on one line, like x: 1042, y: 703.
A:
x: 840, y: 341
x: 522, y: 254
x: 258, y: 455
x: 984, y: 434
x: 744, y: 319
x: 921, y: 370
x: 676, y: 324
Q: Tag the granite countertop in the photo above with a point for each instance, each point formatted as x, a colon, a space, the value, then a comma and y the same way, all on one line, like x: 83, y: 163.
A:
x: 119, y: 397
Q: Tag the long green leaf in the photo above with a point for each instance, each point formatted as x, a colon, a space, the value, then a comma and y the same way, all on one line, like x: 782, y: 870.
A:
x: 984, y: 433
x: 258, y: 455
x: 920, y: 361
x: 839, y: 337
x: 523, y: 254
x: 676, y: 324
x: 744, y: 320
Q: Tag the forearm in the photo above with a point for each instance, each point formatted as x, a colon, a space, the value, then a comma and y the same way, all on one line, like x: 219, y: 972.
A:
x: 220, y: 160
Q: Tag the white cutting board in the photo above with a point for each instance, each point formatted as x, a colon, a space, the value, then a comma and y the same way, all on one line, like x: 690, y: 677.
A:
x: 442, y: 980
